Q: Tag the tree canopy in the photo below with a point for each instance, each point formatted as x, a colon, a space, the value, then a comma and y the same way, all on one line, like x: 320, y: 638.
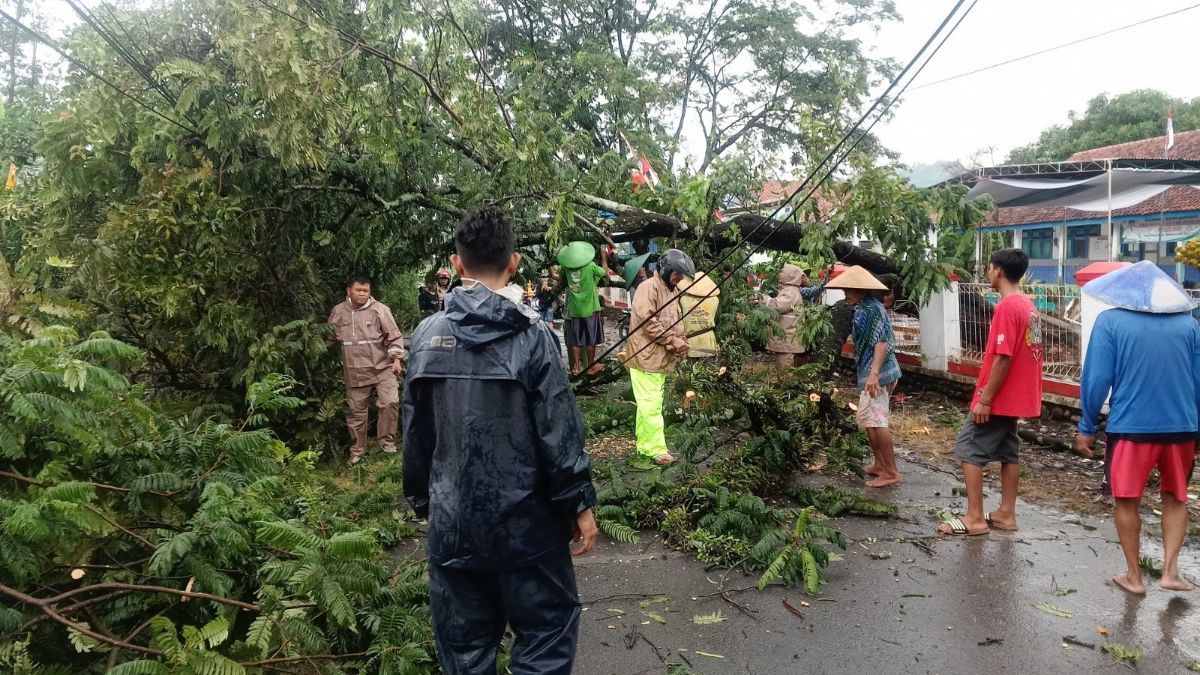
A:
x: 1109, y: 120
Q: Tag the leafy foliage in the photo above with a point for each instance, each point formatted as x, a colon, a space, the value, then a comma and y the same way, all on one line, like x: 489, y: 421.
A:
x: 834, y: 502
x: 719, y: 506
x: 214, y: 538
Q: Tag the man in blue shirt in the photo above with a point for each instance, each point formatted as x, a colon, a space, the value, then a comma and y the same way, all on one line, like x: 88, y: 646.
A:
x: 878, y: 370
x: 1146, y: 354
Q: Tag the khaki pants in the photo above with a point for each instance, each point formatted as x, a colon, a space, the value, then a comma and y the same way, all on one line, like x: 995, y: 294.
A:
x: 387, y: 398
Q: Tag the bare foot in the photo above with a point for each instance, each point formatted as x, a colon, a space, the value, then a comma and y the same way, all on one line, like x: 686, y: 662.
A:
x: 1176, y: 583
x: 596, y: 369
x: 884, y: 481
x: 663, y: 460
x: 1134, y: 586
x: 872, y: 470
x: 999, y: 522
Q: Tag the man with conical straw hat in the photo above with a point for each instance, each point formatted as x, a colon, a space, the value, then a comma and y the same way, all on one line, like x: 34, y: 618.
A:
x: 1144, y: 358
x: 878, y: 370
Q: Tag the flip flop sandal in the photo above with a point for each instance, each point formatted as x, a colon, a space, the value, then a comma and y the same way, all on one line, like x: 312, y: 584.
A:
x: 987, y: 517
x: 959, y: 529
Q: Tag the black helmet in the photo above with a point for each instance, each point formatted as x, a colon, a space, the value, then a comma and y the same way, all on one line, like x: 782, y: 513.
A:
x: 674, y: 260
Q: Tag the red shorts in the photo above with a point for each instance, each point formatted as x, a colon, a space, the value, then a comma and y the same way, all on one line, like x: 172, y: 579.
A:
x: 1129, y: 463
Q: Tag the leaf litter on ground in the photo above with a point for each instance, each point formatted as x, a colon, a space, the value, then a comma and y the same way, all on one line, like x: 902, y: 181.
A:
x: 1053, y: 610
x: 708, y: 619
x: 1124, y: 654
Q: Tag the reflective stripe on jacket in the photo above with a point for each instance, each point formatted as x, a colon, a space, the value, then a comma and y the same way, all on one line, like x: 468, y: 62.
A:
x: 370, y: 341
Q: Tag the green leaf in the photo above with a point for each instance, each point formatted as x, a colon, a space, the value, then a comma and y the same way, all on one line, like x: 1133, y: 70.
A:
x: 352, y: 546
x: 287, y: 536
x: 85, y: 644
x: 140, y: 667
x: 618, y: 531
x: 655, y: 615
x: 1053, y: 610
x: 708, y: 619
x: 71, y: 491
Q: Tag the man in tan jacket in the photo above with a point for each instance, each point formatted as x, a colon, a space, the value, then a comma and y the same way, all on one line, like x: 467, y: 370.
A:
x: 654, y: 345
x: 372, y: 356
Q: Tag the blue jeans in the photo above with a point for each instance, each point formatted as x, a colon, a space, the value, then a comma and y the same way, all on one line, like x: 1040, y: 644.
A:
x: 548, y: 315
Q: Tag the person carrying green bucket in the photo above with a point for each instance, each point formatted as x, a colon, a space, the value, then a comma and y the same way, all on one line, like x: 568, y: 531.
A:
x: 656, y: 341
x: 585, y: 325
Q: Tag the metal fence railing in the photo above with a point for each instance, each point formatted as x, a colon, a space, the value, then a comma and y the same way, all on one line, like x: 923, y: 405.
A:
x: 908, y: 333
x: 1059, y: 307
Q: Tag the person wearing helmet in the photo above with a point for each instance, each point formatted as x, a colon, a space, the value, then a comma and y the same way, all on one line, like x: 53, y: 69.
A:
x: 655, y: 343
x: 432, y: 298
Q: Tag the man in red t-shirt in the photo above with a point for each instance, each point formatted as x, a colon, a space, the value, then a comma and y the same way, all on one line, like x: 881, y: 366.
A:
x: 1009, y: 387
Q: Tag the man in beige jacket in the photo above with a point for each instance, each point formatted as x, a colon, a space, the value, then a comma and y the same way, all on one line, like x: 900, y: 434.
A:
x: 372, y: 356
x: 655, y: 343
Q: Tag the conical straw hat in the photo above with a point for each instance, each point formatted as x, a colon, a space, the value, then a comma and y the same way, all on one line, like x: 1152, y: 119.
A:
x: 1144, y: 287
x: 701, y: 287
x: 857, y: 277
x: 576, y: 254
x: 632, y: 266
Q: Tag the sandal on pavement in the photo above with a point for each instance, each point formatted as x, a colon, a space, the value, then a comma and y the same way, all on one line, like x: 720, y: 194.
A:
x: 987, y: 517
x: 958, y: 529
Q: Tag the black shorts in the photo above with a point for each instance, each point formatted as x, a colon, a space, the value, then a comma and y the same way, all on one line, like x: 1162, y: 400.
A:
x: 993, y: 441
x: 587, y: 331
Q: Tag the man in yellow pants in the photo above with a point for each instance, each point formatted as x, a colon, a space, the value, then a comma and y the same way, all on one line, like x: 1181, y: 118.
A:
x: 655, y: 344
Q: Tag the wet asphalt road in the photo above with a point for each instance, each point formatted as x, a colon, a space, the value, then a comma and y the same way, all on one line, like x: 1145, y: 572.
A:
x: 963, y: 606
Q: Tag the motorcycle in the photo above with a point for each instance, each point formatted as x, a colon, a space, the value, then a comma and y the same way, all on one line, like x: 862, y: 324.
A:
x: 623, y: 324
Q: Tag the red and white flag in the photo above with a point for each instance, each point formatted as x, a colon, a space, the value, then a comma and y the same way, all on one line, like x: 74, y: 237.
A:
x: 648, y: 172
x: 1170, y: 128
x: 643, y: 173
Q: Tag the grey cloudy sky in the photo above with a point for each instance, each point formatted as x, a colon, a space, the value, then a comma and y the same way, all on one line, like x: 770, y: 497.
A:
x: 1010, y: 105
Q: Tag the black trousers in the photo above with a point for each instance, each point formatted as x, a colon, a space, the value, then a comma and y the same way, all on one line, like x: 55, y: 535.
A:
x: 472, y: 607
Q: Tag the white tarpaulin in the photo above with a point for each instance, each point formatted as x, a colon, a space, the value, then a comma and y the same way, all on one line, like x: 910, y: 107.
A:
x: 1129, y: 187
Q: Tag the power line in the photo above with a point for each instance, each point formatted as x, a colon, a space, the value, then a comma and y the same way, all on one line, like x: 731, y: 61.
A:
x: 1057, y: 47
x: 89, y: 70
x: 140, y: 67
x: 845, y: 137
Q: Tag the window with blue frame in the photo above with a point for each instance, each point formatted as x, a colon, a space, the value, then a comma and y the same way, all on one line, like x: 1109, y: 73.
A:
x: 1038, y: 244
x: 1078, y: 238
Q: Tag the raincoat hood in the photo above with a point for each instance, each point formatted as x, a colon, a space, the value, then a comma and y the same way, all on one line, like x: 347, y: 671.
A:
x: 790, y: 275
x: 478, y: 316
x: 1143, y: 287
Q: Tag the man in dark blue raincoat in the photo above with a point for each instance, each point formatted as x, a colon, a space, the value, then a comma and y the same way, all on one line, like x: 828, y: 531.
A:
x: 493, y: 457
